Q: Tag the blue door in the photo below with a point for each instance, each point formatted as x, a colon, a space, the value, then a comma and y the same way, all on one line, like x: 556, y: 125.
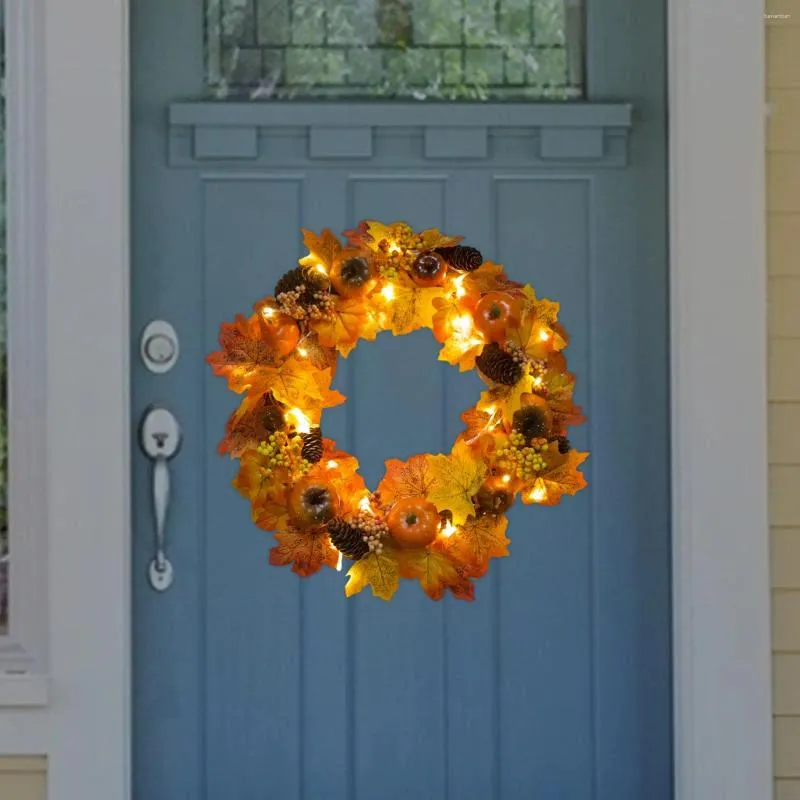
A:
x: 537, y: 131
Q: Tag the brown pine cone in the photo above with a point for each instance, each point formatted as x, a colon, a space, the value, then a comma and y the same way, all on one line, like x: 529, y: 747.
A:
x: 461, y: 257
x: 499, y: 366
x: 347, y: 539
x: 312, y: 445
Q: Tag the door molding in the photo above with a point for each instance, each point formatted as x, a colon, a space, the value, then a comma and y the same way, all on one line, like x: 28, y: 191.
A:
x: 718, y: 269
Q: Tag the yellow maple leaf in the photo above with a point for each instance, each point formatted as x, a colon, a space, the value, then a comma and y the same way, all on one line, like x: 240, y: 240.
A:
x: 306, y: 551
x: 434, y: 569
x: 563, y: 478
x: 489, y: 277
x: 506, y: 399
x: 405, y: 479
x: 322, y: 249
x: 539, y: 333
x: 294, y: 382
x: 255, y: 480
x: 456, y: 479
x: 411, y: 307
x: 379, y: 571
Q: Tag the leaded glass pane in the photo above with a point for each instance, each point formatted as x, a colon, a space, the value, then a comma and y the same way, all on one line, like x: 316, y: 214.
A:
x: 403, y: 49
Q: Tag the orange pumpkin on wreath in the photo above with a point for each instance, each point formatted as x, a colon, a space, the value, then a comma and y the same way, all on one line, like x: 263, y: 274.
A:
x: 440, y: 518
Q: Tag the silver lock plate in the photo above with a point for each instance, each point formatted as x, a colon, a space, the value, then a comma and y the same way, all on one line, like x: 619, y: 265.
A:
x: 160, y: 433
x: 159, y: 346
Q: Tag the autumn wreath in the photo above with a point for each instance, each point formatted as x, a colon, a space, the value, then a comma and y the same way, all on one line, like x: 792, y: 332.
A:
x: 435, y: 518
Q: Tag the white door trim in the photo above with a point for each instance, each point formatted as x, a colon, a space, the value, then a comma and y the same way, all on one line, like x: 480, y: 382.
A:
x: 721, y: 620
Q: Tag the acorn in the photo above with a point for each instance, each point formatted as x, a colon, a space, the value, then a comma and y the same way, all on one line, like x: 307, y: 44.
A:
x: 564, y: 445
x: 353, y: 277
x: 429, y: 269
x: 494, y: 497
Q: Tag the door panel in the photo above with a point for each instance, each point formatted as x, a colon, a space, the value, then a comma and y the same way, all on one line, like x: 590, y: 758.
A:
x: 555, y: 682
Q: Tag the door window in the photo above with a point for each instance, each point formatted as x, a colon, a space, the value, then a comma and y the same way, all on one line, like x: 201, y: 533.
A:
x: 395, y: 49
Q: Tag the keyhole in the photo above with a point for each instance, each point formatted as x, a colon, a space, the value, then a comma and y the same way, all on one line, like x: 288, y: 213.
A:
x: 161, y: 439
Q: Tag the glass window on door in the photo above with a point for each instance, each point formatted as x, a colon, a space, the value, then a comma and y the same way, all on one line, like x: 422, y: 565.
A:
x: 474, y: 50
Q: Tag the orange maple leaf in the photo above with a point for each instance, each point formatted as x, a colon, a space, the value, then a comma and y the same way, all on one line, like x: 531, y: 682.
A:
x: 306, y: 551
x: 249, y: 425
x: 489, y: 277
x: 270, y: 509
x: 478, y: 540
x: 323, y: 249
x: 350, y: 321
x: 435, y: 570
x: 255, y: 480
x: 563, y: 478
x: 246, y: 352
x: 410, y: 478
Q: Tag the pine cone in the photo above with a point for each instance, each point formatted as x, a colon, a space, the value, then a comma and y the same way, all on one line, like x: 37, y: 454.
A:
x: 531, y: 422
x: 461, y: 257
x: 347, y: 538
x: 293, y: 279
x: 499, y: 366
x: 312, y: 445
x: 564, y: 445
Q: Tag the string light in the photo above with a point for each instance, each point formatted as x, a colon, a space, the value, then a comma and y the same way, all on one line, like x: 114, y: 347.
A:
x: 544, y: 334
x: 388, y: 292
x: 320, y: 268
x: 302, y: 352
x: 506, y: 479
x: 538, y: 381
x: 539, y: 493
x: 458, y: 283
x: 339, y: 562
x: 462, y: 325
x: 364, y: 505
x: 332, y: 464
x: 268, y: 312
x: 448, y: 529
x: 300, y: 421
x: 394, y: 247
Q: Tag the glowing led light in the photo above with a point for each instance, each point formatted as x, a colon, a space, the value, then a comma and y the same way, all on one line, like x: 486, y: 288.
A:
x: 332, y: 464
x: 394, y: 247
x: 506, y: 479
x: 490, y: 410
x: 462, y: 325
x: 320, y: 268
x: 300, y: 421
x: 459, y: 286
x: 539, y: 493
x: 268, y: 312
x: 364, y: 505
x: 302, y: 352
x: 448, y: 529
x: 544, y: 334
x: 388, y: 292
x: 538, y: 381
x: 339, y: 562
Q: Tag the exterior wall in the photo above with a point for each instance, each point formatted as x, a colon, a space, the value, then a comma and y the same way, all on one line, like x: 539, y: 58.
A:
x: 23, y: 778
x: 783, y: 224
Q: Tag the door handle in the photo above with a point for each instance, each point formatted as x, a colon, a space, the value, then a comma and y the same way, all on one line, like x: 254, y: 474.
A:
x: 160, y: 439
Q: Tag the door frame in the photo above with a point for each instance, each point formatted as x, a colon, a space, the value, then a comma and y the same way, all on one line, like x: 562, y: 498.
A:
x: 721, y: 597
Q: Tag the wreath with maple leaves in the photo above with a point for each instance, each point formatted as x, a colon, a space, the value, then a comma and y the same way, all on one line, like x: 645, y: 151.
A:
x: 438, y: 519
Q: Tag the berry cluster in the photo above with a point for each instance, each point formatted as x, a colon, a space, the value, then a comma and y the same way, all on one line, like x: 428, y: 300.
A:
x: 296, y: 303
x: 374, y: 528
x: 525, y: 461
x: 283, y: 452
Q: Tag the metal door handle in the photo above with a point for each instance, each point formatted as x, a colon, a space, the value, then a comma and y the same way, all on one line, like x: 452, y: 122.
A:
x: 160, y: 438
